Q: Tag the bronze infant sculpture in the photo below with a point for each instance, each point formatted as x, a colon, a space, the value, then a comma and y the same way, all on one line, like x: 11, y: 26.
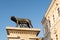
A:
x: 21, y: 21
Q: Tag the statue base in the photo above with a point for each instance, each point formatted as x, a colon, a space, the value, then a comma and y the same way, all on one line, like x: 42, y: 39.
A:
x: 15, y: 33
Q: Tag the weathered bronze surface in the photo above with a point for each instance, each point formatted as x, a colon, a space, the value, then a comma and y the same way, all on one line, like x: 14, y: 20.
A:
x: 22, y: 22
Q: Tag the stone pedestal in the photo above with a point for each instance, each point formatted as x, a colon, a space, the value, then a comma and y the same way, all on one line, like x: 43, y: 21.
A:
x: 15, y: 33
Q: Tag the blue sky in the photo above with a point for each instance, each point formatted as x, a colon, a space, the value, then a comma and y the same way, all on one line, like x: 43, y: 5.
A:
x: 31, y: 9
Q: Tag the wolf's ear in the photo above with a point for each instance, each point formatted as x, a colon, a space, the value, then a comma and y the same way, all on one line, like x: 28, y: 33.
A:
x: 11, y: 16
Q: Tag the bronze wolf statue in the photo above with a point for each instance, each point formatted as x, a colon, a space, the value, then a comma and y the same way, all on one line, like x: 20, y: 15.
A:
x: 21, y: 21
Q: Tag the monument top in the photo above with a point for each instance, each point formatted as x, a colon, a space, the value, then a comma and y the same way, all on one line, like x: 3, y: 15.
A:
x: 16, y: 33
x: 22, y: 28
